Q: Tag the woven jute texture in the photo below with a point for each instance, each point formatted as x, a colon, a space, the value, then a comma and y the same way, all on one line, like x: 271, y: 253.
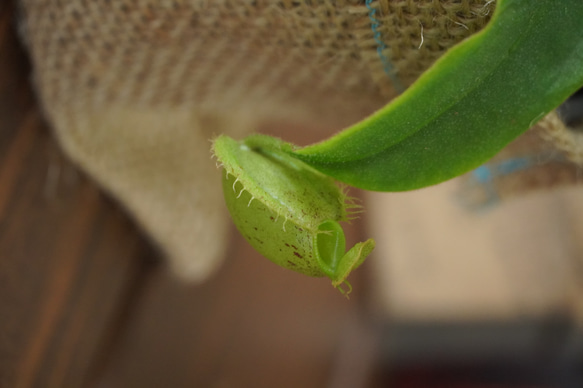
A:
x: 136, y: 88
x: 565, y: 139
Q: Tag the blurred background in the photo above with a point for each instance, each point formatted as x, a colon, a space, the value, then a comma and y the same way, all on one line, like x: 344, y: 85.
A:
x: 487, y: 294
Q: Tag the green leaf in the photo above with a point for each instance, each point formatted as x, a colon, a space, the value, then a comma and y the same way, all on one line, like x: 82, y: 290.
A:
x: 471, y: 103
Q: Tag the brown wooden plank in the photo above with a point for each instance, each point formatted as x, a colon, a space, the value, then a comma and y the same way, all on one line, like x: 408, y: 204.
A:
x: 69, y: 260
x: 66, y: 268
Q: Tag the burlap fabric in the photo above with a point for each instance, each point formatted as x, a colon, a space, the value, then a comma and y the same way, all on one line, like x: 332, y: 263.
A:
x: 136, y: 88
x: 566, y: 139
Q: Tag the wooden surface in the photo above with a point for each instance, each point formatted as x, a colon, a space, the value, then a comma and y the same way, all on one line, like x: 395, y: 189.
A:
x: 86, y: 301
x: 69, y: 260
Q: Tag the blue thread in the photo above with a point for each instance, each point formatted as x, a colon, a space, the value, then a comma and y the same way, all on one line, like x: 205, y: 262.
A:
x: 510, y: 166
x: 482, y: 174
x: 485, y: 174
x: 381, y: 46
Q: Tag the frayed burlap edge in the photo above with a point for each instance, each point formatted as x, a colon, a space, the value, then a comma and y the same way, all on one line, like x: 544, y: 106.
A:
x: 563, y: 138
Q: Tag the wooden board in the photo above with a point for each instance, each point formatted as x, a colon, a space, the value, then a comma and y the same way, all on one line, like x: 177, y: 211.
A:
x: 69, y: 259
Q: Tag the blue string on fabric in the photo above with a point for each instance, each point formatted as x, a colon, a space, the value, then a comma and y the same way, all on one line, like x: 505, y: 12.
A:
x: 485, y: 175
x: 381, y: 46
